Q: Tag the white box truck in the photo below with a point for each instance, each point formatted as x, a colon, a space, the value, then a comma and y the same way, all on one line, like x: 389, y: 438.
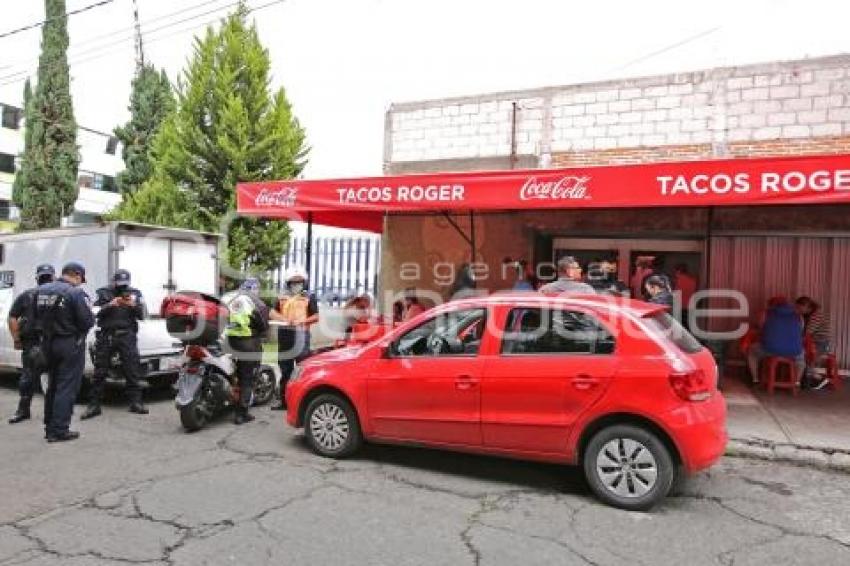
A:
x: 160, y: 261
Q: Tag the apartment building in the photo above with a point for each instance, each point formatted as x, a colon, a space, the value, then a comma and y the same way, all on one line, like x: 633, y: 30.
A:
x: 100, y: 162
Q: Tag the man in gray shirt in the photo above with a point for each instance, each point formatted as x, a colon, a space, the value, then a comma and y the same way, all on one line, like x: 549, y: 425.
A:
x: 569, y: 279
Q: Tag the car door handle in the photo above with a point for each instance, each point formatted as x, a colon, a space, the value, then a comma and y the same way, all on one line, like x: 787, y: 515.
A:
x: 465, y: 382
x: 585, y: 382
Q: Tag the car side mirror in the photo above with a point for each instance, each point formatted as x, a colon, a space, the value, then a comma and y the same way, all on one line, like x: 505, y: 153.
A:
x: 391, y: 350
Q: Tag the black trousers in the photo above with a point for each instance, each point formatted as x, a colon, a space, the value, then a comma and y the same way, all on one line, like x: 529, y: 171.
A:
x: 28, y: 377
x: 293, y: 346
x: 125, y: 343
x: 66, y: 357
x: 247, y: 352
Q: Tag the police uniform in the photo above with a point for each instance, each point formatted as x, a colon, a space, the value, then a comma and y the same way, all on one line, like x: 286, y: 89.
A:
x: 118, y: 326
x: 248, y: 323
x: 23, y: 310
x: 64, y: 313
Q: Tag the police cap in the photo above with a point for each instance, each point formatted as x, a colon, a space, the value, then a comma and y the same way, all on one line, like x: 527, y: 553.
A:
x: 121, y: 278
x: 75, y: 267
x: 44, y: 269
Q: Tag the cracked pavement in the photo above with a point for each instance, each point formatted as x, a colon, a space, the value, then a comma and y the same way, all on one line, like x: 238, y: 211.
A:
x: 138, y: 490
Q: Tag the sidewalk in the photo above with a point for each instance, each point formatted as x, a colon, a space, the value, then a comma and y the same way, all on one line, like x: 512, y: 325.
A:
x: 812, y: 428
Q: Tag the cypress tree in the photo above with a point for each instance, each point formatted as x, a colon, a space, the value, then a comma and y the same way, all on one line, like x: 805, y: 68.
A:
x: 20, y: 176
x: 48, y: 188
x: 151, y: 100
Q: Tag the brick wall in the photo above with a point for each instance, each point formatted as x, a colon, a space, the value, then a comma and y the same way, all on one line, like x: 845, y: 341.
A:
x: 778, y: 108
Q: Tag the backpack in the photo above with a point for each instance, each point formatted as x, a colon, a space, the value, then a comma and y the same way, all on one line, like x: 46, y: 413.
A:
x: 29, y: 324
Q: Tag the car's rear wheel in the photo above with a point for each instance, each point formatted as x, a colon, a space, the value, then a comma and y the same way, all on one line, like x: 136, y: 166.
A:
x: 194, y: 416
x: 331, y: 426
x: 628, y: 467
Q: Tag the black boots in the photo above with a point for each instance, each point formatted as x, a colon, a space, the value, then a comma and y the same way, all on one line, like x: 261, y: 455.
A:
x: 242, y: 416
x: 93, y: 410
x: 63, y: 436
x: 23, y: 412
x: 138, y: 408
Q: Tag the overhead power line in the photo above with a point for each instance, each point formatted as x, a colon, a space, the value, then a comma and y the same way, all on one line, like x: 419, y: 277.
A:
x: 670, y: 47
x: 9, y: 79
x: 48, y: 20
x: 128, y: 33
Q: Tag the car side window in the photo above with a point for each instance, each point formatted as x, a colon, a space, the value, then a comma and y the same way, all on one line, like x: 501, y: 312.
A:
x: 545, y: 331
x: 457, y: 333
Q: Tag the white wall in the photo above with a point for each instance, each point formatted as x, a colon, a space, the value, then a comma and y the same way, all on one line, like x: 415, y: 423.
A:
x: 93, y: 159
x: 783, y: 100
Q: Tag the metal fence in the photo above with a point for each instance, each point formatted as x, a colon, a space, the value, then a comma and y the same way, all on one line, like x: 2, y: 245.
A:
x: 340, y: 267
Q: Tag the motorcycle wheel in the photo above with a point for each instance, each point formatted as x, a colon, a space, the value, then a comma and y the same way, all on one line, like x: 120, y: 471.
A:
x: 264, y: 386
x: 193, y: 416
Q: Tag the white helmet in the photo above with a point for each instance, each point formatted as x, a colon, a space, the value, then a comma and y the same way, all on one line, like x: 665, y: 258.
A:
x: 295, y: 273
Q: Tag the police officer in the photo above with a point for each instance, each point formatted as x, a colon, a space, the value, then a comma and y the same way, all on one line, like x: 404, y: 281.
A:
x: 63, y: 309
x: 297, y: 309
x: 26, y: 335
x: 121, y: 309
x: 249, y: 322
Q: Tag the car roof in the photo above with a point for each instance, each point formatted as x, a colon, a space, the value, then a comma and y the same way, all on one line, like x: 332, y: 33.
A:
x: 634, y: 307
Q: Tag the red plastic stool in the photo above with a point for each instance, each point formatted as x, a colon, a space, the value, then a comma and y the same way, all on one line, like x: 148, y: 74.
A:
x: 830, y: 364
x: 775, y: 378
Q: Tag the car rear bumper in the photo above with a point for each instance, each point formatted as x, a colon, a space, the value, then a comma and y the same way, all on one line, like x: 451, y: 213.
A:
x: 699, y: 430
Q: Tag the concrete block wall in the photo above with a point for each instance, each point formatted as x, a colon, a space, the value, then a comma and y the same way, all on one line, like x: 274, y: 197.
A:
x: 720, y: 112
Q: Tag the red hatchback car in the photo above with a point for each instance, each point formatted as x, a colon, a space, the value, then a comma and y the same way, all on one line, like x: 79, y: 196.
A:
x: 616, y: 386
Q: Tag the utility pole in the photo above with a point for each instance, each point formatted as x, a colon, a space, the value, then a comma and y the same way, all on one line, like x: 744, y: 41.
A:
x: 140, y: 53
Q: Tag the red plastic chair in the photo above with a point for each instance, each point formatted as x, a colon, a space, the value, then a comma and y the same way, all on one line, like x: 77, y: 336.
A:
x: 830, y: 364
x: 776, y: 378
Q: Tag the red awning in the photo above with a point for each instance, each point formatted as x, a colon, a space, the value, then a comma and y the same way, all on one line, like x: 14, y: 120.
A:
x: 361, y: 203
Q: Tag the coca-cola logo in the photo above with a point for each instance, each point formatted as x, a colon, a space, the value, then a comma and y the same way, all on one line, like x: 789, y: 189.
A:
x: 565, y: 188
x: 284, y: 196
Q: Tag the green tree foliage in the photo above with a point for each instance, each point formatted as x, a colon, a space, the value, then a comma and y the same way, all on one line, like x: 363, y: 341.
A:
x: 48, y: 188
x: 151, y: 100
x: 21, y: 174
x: 227, y: 126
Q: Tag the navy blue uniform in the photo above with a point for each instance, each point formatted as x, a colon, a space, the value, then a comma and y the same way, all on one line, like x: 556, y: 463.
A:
x: 23, y: 309
x: 65, y: 315
x: 117, y: 328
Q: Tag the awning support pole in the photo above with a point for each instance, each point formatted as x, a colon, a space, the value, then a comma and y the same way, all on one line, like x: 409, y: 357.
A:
x: 708, y: 247
x: 472, y: 236
x: 308, y: 249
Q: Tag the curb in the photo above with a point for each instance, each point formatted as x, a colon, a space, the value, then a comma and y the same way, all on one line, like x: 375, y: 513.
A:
x: 821, y: 458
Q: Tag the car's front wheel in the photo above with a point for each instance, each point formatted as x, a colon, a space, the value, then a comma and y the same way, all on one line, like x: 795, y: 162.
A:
x: 628, y: 467
x: 331, y: 426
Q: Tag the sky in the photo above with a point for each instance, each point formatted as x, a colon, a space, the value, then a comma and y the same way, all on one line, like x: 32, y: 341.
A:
x: 343, y: 62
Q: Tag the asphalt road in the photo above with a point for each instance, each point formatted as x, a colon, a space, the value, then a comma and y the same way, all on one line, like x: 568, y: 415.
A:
x: 138, y: 490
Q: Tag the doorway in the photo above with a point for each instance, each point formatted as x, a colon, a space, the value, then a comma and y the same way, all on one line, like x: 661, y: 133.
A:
x: 634, y: 258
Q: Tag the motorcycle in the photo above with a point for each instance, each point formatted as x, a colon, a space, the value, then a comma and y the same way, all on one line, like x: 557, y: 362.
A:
x: 207, y: 385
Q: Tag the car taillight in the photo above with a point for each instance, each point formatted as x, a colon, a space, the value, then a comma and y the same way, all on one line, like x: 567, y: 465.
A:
x: 691, y: 385
x: 196, y: 353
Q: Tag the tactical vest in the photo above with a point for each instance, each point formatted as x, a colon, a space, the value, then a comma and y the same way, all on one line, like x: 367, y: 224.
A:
x: 241, y: 309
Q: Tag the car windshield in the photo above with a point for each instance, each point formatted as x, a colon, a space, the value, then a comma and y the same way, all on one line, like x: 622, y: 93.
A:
x: 664, y: 323
x: 457, y: 332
